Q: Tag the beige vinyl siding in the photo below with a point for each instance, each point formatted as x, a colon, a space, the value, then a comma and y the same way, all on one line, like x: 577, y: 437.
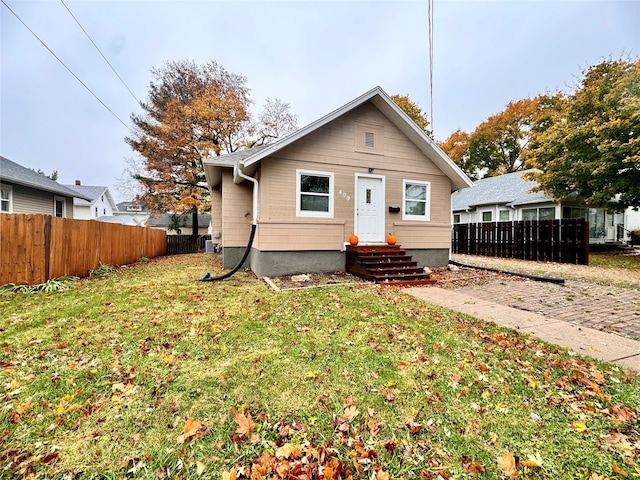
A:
x: 28, y: 200
x: 411, y: 235
x: 314, y: 234
x: 237, y: 206
x: 332, y: 148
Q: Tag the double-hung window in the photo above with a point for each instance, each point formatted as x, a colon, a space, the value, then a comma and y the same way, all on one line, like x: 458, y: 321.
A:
x: 416, y: 198
x: 314, y: 194
x: 6, y: 199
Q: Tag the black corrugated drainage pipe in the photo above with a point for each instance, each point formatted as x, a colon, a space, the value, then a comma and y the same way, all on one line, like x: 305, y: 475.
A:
x: 537, y: 278
x: 209, y: 278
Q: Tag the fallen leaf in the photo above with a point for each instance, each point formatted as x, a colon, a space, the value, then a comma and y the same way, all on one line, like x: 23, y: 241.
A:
x: 507, y: 464
x: 618, y: 470
x: 230, y: 475
x: 533, y: 461
x: 245, y: 423
x: 169, y: 359
x: 200, y: 468
x: 580, y: 426
x: 49, y: 457
x: 190, y: 428
x: 350, y: 412
x: 382, y: 475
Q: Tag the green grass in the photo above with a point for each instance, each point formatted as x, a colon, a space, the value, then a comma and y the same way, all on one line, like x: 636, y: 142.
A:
x: 105, y: 380
x: 608, y: 260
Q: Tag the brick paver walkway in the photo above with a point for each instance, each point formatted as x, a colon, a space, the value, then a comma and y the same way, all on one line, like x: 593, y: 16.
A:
x: 602, y: 307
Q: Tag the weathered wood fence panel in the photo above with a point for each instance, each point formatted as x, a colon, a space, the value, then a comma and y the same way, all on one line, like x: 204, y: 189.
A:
x: 564, y: 241
x: 186, y: 243
x: 36, y: 248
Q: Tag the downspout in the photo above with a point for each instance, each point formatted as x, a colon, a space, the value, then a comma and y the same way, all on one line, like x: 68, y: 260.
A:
x: 237, y: 170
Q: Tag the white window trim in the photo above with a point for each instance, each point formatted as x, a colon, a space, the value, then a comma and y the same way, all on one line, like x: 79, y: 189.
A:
x: 64, y: 205
x: 10, y: 189
x: 312, y: 214
x: 482, y: 220
x: 427, y: 208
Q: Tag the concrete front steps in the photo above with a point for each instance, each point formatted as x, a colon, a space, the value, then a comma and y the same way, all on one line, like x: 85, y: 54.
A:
x: 386, y: 265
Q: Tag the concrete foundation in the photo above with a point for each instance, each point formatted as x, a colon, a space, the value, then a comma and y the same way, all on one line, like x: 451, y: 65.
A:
x: 232, y: 255
x: 274, y: 264
x: 436, y: 257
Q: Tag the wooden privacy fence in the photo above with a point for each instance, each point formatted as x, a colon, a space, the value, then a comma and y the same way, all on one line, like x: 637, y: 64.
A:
x: 36, y: 248
x: 186, y: 243
x: 564, y: 241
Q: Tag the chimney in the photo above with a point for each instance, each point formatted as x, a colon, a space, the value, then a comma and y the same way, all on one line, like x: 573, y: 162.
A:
x: 77, y: 182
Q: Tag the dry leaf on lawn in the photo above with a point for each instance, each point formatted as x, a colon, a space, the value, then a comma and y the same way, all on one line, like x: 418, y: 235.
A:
x: 190, y: 428
x: 507, y: 464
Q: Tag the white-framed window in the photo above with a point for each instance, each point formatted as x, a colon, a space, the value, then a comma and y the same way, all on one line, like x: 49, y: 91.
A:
x: 544, y: 213
x: 6, y: 199
x: 487, y: 216
x: 416, y: 200
x: 504, y: 215
x: 59, y: 206
x: 314, y: 194
x: 456, y: 218
x: 547, y: 213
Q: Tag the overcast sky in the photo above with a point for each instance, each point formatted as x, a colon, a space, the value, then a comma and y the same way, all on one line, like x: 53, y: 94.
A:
x: 316, y: 56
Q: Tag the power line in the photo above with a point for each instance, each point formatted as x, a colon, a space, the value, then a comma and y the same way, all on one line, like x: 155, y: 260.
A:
x: 430, y: 13
x: 65, y: 66
x: 100, y: 52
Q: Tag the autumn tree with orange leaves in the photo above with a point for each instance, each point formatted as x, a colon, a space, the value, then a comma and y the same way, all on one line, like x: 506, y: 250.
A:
x: 498, y: 145
x: 414, y: 112
x: 193, y: 112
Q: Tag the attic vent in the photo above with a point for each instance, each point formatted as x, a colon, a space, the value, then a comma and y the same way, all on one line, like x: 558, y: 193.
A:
x: 368, y: 139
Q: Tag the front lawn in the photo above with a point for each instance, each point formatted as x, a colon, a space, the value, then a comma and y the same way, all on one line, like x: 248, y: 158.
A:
x: 146, y: 373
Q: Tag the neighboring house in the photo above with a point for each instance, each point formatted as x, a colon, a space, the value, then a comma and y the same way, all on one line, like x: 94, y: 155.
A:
x: 100, y: 203
x: 128, y: 213
x: 25, y: 191
x: 164, y: 222
x: 509, y: 198
x: 365, y: 168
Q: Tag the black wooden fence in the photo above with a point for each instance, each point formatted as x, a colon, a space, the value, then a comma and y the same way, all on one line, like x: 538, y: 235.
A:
x: 186, y: 243
x: 564, y: 241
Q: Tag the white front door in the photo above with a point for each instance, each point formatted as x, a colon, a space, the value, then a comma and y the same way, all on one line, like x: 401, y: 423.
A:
x: 370, y: 209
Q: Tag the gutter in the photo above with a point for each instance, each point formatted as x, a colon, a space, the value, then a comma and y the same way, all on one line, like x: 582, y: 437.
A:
x: 237, y: 170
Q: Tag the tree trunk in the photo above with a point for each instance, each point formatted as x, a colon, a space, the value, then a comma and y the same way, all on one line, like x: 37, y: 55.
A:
x: 194, y: 222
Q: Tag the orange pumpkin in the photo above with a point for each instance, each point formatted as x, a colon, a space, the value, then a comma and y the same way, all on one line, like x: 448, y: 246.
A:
x: 353, y: 239
x: 391, y: 239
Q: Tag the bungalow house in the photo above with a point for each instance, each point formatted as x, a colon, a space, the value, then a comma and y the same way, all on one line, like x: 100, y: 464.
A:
x: 509, y: 198
x: 23, y: 190
x: 363, y: 169
x: 100, y: 203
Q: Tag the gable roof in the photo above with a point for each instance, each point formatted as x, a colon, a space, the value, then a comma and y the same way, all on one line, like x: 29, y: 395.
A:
x: 14, y: 173
x: 509, y: 189
x: 379, y: 98
x: 93, y: 193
